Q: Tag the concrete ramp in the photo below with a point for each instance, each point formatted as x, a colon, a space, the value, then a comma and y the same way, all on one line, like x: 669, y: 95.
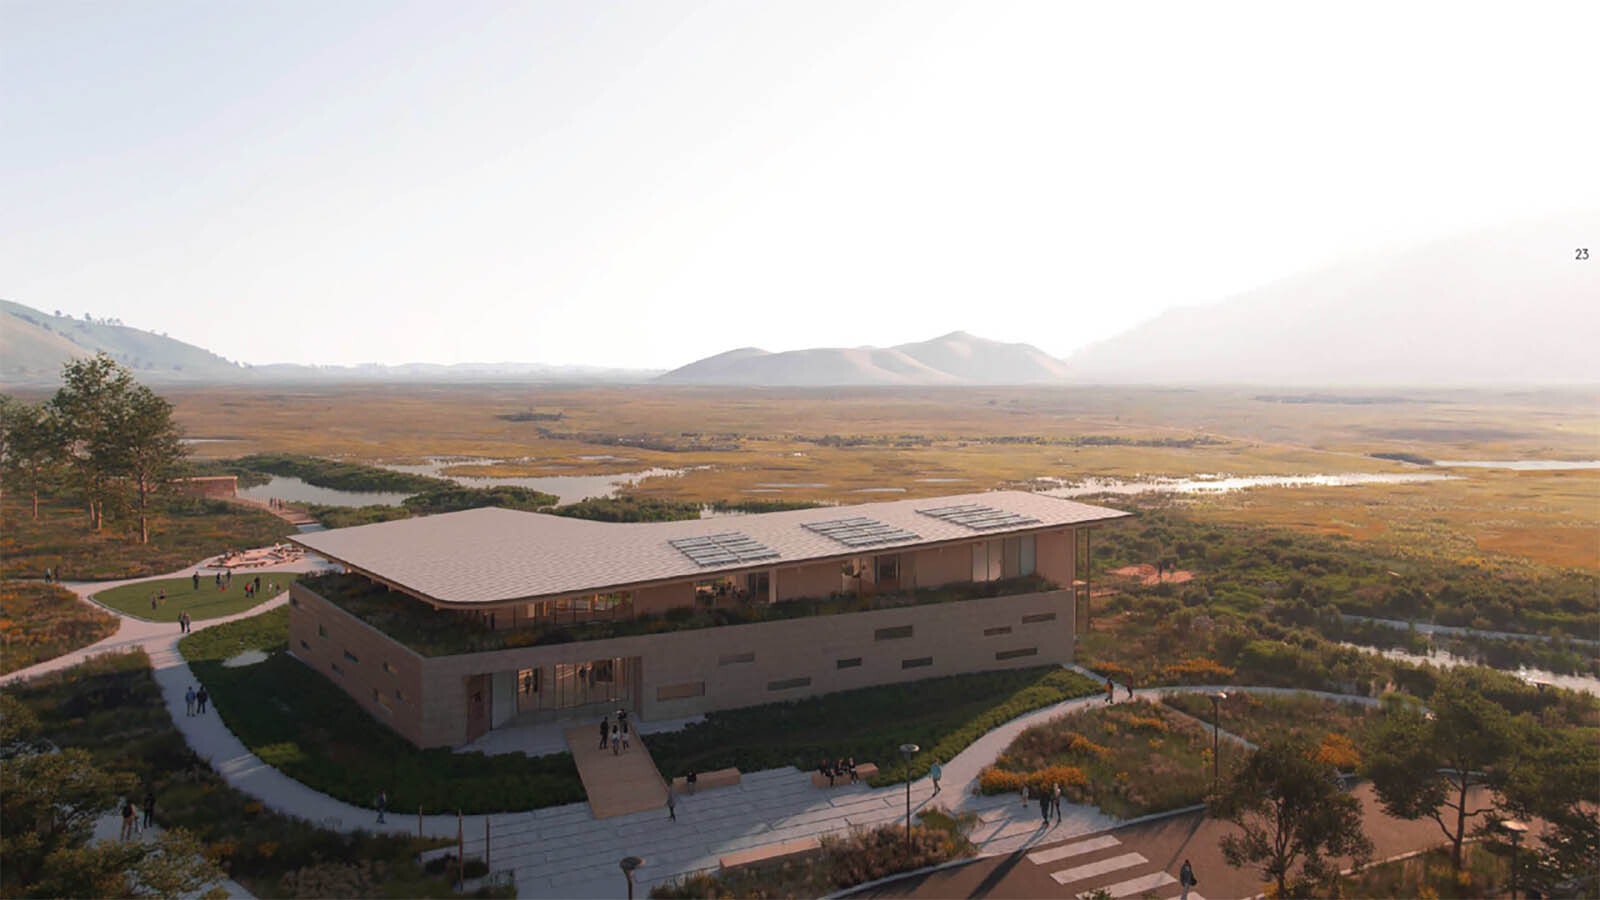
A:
x: 617, y: 784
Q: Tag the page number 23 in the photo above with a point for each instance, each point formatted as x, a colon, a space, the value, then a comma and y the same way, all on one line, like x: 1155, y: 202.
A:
x: 1583, y: 253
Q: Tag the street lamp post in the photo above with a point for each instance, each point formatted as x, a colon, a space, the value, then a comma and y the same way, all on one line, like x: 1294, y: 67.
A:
x: 906, y: 751
x: 1516, y: 830
x: 629, y: 863
x: 1216, y: 733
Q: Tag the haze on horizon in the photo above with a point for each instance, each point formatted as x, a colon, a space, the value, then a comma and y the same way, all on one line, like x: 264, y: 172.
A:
x: 643, y: 184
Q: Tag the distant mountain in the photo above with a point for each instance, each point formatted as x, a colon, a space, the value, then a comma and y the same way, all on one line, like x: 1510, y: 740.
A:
x: 956, y: 358
x: 34, y: 345
x: 1507, y: 305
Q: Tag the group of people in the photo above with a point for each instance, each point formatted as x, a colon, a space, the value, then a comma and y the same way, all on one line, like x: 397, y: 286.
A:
x: 838, y: 769
x: 1111, y: 691
x: 130, y: 816
x: 617, y: 733
x: 183, y: 622
x: 195, y: 701
x: 1049, y: 801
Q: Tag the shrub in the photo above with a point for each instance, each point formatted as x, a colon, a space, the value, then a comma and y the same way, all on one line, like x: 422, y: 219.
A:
x: 1195, y: 670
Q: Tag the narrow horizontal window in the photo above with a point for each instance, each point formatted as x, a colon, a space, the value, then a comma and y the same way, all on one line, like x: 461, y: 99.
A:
x: 399, y: 695
x: 680, y: 691
x: 788, y: 684
x: 892, y: 634
x: 850, y: 663
x: 322, y: 631
x: 917, y: 663
x: 729, y: 659
x: 390, y: 669
x: 350, y: 657
x: 1013, y: 654
x: 1039, y: 617
x: 336, y: 668
x: 992, y: 632
x: 293, y: 600
x: 304, y: 644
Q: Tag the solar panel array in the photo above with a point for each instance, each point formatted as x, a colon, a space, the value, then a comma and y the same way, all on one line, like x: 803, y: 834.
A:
x: 979, y: 517
x: 861, y: 532
x: 723, y: 549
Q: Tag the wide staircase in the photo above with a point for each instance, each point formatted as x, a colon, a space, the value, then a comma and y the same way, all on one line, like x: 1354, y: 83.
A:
x: 617, y: 783
x: 1100, y: 861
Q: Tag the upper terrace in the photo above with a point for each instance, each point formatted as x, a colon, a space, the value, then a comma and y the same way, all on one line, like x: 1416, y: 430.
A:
x: 431, y: 631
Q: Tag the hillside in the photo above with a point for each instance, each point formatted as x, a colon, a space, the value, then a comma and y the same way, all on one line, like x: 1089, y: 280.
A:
x: 956, y: 358
x: 35, y: 344
x: 1507, y: 305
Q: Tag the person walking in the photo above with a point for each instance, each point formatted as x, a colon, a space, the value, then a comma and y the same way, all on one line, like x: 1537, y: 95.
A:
x: 935, y: 773
x: 616, y: 739
x: 382, y: 804
x: 1044, y: 806
x: 672, y: 802
x: 1055, y: 801
x: 626, y: 740
x: 196, y: 579
x: 149, y: 805
x: 1111, y: 691
x: 605, y: 731
x: 1129, y: 686
x: 188, y: 701
x: 1024, y: 792
x: 1186, y: 879
x: 200, y: 701
x: 127, y: 819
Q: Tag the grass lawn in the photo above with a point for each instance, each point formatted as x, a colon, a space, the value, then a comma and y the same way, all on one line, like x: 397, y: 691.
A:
x: 40, y: 622
x: 112, y: 707
x: 181, y: 533
x: 205, y: 602
x: 1259, y: 719
x: 1136, y: 758
x: 292, y: 718
x: 943, y: 715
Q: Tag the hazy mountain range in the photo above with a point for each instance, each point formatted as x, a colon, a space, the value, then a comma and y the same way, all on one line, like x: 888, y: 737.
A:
x: 1503, y: 306
x: 956, y: 358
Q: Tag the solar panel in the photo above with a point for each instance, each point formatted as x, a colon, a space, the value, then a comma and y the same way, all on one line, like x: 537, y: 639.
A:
x: 723, y: 549
x: 861, y: 531
x: 979, y: 517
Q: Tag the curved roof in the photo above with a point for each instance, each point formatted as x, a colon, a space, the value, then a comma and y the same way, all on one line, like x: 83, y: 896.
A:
x: 491, y: 555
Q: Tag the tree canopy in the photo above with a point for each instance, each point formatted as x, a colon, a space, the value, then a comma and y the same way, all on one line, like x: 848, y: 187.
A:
x: 1291, y: 810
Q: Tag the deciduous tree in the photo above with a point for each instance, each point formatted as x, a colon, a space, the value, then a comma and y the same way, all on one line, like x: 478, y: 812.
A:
x: 91, y: 390
x: 145, y: 448
x: 1555, y: 776
x: 1291, y: 811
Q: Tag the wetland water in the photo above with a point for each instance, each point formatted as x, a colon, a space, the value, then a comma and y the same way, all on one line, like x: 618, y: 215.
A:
x: 1585, y: 683
x: 284, y: 487
x: 567, y: 488
x: 1524, y: 465
x: 1216, y: 484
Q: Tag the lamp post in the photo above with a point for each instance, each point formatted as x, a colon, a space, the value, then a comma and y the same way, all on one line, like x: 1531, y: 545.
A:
x: 1516, y: 830
x: 1216, y: 733
x: 629, y: 863
x: 906, y: 751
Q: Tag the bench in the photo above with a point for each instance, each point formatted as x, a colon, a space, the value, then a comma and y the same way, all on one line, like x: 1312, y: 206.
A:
x: 707, y: 780
x: 864, y: 771
x: 770, y: 852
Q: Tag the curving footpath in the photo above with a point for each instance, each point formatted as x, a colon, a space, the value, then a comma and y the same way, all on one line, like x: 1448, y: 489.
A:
x: 565, y: 851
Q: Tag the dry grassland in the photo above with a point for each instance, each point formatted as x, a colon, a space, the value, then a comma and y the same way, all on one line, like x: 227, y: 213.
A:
x: 902, y: 438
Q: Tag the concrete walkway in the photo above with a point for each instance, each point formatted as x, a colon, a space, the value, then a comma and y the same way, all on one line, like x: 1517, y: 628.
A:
x: 616, y: 781
x: 567, y: 852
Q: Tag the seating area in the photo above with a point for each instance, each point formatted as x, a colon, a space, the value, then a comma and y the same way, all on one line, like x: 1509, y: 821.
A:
x: 707, y: 780
x: 863, y: 772
x: 770, y: 852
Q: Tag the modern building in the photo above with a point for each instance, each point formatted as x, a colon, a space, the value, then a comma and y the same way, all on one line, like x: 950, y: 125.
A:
x: 447, y: 626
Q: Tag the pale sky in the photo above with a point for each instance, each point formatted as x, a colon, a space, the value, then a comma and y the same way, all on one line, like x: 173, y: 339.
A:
x: 643, y: 184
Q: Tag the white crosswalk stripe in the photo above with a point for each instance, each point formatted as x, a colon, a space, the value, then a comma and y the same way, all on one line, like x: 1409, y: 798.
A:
x: 1102, y: 867
x: 1141, y: 884
x: 1103, y: 842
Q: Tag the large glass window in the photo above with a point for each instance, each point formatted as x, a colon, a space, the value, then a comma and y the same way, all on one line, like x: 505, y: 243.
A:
x: 1029, y: 549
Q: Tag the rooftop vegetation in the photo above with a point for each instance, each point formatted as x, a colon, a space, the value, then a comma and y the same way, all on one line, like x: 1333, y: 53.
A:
x: 433, y: 632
